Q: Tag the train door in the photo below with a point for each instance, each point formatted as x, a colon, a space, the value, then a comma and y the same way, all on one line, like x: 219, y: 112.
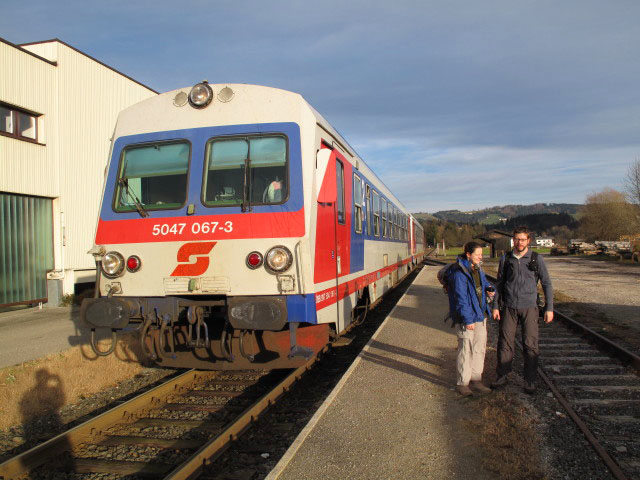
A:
x: 332, y: 235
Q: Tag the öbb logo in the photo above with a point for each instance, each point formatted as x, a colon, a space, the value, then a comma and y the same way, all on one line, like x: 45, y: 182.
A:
x: 201, y: 249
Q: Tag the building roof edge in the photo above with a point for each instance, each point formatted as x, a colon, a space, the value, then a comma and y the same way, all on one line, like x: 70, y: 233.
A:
x: 91, y: 58
x: 24, y: 50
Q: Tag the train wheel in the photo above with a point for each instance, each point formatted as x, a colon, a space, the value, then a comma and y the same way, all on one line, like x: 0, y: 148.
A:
x: 359, y: 312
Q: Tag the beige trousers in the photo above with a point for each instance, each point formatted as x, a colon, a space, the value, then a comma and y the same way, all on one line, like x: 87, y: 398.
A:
x: 472, y: 345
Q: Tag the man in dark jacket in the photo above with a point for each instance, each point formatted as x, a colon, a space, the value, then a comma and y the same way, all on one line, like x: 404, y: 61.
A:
x: 517, y: 291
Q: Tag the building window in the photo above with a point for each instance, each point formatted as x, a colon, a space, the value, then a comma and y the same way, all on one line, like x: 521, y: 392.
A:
x: 357, y: 202
x: 18, y: 123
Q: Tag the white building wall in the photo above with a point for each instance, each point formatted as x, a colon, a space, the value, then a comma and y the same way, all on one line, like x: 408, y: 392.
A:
x: 29, y: 83
x: 80, y: 99
x: 90, y: 98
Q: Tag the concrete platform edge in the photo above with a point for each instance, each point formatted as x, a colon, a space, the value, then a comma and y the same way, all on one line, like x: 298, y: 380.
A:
x: 302, y: 436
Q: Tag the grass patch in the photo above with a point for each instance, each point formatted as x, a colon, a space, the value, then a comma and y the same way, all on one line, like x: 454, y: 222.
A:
x: 41, y: 387
x: 509, y: 437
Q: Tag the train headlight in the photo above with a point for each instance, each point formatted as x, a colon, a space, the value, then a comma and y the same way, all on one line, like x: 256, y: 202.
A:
x: 200, y: 95
x: 112, y: 264
x: 278, y: 259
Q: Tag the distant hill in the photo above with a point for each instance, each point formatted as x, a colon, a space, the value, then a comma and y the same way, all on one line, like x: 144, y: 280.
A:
x: 493, y: 215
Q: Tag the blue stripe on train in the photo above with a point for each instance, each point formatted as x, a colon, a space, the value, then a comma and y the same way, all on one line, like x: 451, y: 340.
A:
x: 198, y: 138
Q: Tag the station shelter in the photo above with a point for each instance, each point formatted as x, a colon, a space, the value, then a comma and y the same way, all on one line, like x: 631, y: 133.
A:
x: 499, y: 241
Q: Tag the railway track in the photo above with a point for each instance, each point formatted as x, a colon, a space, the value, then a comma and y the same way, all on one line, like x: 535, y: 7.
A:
x: 171, y: 431
x: 596, y: 381
x: 177, y: 429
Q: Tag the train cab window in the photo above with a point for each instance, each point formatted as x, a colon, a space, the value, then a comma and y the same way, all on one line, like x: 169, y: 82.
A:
x: 376, y: 213
x: 340, y: 192
x: 227, y: 159
x: 384, y: 217
x: 357, y: 203
x: 153, y: 177
x: 369, y: 216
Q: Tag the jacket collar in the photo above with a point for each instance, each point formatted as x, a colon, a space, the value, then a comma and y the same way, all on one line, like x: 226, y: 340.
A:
x: 526, y: 255
x: 465, y: 265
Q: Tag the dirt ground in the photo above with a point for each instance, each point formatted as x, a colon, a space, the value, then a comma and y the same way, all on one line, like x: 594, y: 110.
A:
x: 610, y: 287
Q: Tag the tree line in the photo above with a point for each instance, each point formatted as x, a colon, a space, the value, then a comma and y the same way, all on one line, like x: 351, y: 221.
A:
x: 606, y: 215
x: 559, y: 226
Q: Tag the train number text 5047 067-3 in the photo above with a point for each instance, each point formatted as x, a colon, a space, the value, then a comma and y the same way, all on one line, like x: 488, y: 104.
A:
x: 196, y: 228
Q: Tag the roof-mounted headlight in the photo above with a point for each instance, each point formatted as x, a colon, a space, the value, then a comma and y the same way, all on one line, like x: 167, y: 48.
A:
x: 200, y: 95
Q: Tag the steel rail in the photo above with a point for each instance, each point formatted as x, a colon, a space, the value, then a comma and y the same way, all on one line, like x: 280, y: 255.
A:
x: 606, y: 458
x: 35, y: 457
x: 208, y: 453
x: 621, y: 352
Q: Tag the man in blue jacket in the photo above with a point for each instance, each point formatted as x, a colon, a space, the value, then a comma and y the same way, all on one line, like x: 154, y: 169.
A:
x: 469, y: 309
x: 517, y: 291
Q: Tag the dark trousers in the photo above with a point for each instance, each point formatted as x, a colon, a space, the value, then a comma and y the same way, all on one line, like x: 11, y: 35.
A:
x: 528, y: 320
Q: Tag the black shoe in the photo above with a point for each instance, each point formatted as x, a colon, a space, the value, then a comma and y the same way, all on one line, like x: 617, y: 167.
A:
x: 530, y: 388
x: 501, y: 381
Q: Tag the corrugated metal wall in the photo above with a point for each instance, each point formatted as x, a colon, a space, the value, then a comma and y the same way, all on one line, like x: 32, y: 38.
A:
x: 89, y: 98
x: 26, y: 248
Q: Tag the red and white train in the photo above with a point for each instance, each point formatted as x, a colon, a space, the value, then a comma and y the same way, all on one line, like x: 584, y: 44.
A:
x: 238, y: 229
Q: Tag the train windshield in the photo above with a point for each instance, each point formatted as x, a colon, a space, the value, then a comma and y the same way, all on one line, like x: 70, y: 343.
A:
x: 153, y: 176
x: 246, y: 170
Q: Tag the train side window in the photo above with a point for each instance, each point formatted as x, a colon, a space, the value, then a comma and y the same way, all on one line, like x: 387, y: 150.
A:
x: 369, y: 219
x: 376, y: 213
x: 384, y: 217
x: 395, y: 223
x: 340, y: 188
x: 357, y: 203
x: 153, y: 176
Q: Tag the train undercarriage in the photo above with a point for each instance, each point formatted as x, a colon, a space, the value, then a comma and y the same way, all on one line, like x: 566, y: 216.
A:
x: 215, y: 333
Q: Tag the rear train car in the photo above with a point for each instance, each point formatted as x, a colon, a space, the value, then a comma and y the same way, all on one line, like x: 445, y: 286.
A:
x: 238, y: 230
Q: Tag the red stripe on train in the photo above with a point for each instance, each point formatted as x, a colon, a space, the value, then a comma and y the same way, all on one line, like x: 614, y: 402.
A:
x: 332, y: 295
x: 203, y: 227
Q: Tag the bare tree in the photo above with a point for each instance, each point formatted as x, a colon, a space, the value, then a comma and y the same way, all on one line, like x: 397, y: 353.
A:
x: 632, y: 182
x: 607, y: 215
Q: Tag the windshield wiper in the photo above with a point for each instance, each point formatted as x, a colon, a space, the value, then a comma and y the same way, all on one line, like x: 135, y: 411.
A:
x: 124, y: 182
x: 246, y: 191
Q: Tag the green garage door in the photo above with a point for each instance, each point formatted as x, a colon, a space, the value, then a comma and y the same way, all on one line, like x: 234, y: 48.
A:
x: 26, y: 251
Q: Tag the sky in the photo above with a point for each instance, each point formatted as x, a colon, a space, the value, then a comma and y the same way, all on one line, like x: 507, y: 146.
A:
x: 454, y: 104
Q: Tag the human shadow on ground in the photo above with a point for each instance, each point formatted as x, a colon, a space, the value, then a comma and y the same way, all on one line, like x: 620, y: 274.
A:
x: 40, y: 412
x: 406, y: 352
x: 404, y: 367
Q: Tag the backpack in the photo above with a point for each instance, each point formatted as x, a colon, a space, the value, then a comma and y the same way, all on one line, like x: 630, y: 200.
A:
x: 443, y: 275
x: 533, y: 265
x: 443, y: 278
